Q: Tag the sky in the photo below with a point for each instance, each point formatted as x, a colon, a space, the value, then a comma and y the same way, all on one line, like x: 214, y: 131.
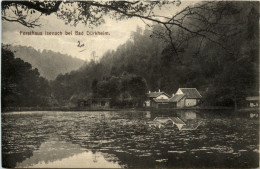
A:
x: 119, y: 31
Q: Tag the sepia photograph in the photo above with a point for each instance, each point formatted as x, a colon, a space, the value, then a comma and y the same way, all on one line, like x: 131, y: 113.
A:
x: 129, y: 84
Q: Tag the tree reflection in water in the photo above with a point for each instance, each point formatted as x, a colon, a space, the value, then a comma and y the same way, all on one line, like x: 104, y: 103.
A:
x: 56, y: 153
x: 126, y: 139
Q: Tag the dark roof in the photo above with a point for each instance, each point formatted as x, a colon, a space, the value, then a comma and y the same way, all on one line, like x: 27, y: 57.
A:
x: 161, y: 100
x: 252, y: 98
x: 156, y: 94
x: 176, y: 98
x: 191, y: 93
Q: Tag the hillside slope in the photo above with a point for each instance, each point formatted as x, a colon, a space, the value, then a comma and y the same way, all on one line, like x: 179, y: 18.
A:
x: 49, y: 64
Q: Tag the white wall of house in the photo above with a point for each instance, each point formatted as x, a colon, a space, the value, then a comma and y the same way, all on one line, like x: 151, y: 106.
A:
x: 147, y: 103
x: 162, y: 96
x: 107, y: 105
x: 190, y: 102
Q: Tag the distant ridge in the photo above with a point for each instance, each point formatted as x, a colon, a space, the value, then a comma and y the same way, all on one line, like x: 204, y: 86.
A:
x: 49, y: 63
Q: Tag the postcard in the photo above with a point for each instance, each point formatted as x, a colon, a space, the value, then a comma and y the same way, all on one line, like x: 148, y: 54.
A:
x: 130, y: 84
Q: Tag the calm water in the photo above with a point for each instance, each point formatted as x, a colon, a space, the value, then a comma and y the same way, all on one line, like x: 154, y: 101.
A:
x: 128, y: 139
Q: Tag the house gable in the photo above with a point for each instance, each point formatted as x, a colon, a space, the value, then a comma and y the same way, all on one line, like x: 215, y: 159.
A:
x: 157, y: 95
x: 179, y: 92
x: 162, y: 96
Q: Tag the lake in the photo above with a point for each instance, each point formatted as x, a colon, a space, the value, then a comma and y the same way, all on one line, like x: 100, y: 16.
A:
x: 129, y: 139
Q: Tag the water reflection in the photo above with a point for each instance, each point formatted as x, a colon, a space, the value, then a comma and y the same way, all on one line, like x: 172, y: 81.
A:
x: 129, y: 139
x: 184, y: 121
x: 54, y: 153
x: 190, y: 119
x: 188, y: 115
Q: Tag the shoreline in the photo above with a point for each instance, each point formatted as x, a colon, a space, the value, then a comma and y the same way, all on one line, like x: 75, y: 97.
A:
x: 21, y: 109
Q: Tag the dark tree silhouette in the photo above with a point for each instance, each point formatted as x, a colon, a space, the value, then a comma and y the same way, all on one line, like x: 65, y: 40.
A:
x: 21, y: 85
x: 208, y: 16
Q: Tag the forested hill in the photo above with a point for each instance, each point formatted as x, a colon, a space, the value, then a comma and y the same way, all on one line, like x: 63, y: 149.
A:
x: 223, y: 64
x: 223, y: 68
x: 49, y: 64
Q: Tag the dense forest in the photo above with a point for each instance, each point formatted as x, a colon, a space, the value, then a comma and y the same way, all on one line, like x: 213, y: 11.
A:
x: 21, y: 84
x: 49, y: 64
x: 224, y: 67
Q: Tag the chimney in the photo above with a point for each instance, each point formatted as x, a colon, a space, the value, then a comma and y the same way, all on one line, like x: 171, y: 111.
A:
x: 159, y: 90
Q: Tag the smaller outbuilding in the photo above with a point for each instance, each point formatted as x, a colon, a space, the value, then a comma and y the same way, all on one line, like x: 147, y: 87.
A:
x: 252, y: 101
x: 160, y: 103
x: 94, y: 103
x: 153, y: 99
x: 99, y: 103
x: 82, y: 102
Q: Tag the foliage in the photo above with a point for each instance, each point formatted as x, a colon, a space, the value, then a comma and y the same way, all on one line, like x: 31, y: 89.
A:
x: 21, y: 85
x: 224, y: 77
x: 73, y: 12
x: 212, y: 46
x: 91, y: 13
x: 77, y: 83
x: 125, y: 90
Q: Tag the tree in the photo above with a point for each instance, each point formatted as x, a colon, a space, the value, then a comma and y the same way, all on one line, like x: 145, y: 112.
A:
x: 222, y: 64
x: 125, y: 90
x: 208, y: 16
x: 21, y: 84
